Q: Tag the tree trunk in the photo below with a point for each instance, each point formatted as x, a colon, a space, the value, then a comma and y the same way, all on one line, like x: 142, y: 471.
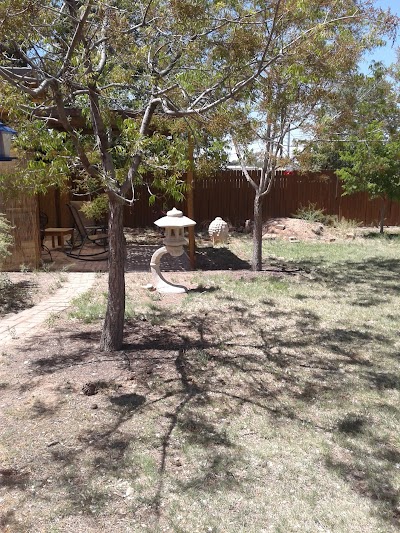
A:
x: 382, y: 214
x: 113, y: 328
x: 257, y: 234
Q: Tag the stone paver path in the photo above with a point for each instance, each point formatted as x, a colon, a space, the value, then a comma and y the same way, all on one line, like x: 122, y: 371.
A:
x: 24, y: 324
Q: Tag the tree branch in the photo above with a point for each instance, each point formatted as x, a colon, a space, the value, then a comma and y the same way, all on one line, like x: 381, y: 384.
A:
x: 63, y: 119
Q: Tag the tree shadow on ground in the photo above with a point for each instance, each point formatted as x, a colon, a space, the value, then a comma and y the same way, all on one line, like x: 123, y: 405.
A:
x: 386, y: 235
x: 375, y: 274
x: 370, y: 477
x: 15, y: 297
x: 207, y: 258
x: 175, y: 376
x: 221, y: 258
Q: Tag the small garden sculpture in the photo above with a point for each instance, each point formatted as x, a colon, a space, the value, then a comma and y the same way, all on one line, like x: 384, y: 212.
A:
x: 174, y: 224
x: 218, y: 231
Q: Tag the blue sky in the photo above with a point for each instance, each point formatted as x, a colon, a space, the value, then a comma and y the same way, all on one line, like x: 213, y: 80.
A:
x: 386, y: 54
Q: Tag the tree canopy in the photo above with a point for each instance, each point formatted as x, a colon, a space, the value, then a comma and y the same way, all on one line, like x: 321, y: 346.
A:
x: 289, y: 96
x: 370, y: 159
x: 359, y: 136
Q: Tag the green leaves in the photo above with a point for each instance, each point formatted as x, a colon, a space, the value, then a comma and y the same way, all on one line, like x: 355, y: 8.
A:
x: 6, y: 239
x: 99, y: 64
x: 371, y: 157
x: 372, y: 164
x: 44, y: 159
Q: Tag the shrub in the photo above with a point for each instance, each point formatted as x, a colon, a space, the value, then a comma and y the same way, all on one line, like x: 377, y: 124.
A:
x: 6, y: 239
x: 311, y: 213
x: 97, y: 208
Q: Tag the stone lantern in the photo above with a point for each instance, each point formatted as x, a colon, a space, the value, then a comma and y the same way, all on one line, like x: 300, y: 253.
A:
x: 174, y: 223
x: 6, y: 134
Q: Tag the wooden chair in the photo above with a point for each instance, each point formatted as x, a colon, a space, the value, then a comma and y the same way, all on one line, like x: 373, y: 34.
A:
x: 84, y: 238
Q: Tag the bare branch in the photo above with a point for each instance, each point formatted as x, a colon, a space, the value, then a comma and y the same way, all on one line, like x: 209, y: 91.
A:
x: 62, y: 116
x: 75, y: 40
x: 143, y: 22
x: 243, y: 165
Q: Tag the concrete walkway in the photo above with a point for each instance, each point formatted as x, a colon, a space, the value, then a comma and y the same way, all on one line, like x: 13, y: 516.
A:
x: 24, y: 324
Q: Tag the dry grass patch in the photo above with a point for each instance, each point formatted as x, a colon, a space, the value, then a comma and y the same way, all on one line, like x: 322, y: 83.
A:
x: 257, y: 402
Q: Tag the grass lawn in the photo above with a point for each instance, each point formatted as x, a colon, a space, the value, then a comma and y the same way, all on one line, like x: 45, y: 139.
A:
x: 258, y: 402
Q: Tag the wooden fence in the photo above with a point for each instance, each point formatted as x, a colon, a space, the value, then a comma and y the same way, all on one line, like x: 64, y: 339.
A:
x: 230, y: 196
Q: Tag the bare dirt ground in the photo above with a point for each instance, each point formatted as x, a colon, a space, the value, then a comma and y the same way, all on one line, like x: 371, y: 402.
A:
x: 297, y: 229
x: 76, y: 432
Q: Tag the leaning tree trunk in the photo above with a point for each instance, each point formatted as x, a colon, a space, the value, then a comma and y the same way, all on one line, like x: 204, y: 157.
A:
x: 382, y: 214
x: 113, y: 328
x: 257, y: 234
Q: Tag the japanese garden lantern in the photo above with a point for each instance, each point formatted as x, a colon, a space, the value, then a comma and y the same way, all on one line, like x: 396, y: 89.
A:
x: 174, y: 225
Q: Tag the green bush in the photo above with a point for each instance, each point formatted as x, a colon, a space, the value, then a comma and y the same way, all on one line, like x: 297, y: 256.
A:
x: 6, y: 239
x: 97, y: 208
x: 311, y: 213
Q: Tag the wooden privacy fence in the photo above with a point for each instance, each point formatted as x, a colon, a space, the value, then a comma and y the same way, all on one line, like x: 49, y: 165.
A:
x: 230, y: 196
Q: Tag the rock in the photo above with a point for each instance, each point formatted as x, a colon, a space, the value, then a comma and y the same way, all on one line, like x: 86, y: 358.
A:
x: 318, y: 230
x: 293, y: 239
x: 269, y: 237
x: 280, y: 226
x: 89, y: 389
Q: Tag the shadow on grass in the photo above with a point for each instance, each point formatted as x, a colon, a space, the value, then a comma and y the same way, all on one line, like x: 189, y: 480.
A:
x: 375, y: 274
x: 386, y: 235
x: 352, y: 424
x: 209, y: 258
x: 384, y: 380
x: 370, y: 478
x: 12, y: 477
x: 279, y: 365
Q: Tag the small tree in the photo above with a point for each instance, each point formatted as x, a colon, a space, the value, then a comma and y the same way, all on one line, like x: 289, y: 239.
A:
x: 289, y: 97
x: 373, y: 166
x: 365, y: 147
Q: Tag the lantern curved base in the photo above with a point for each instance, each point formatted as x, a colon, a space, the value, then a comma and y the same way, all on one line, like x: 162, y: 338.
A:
x: 161, y: 284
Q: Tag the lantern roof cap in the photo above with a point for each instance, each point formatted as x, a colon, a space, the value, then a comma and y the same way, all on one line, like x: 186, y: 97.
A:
x: 174, y: 219
x: 6, y: 129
